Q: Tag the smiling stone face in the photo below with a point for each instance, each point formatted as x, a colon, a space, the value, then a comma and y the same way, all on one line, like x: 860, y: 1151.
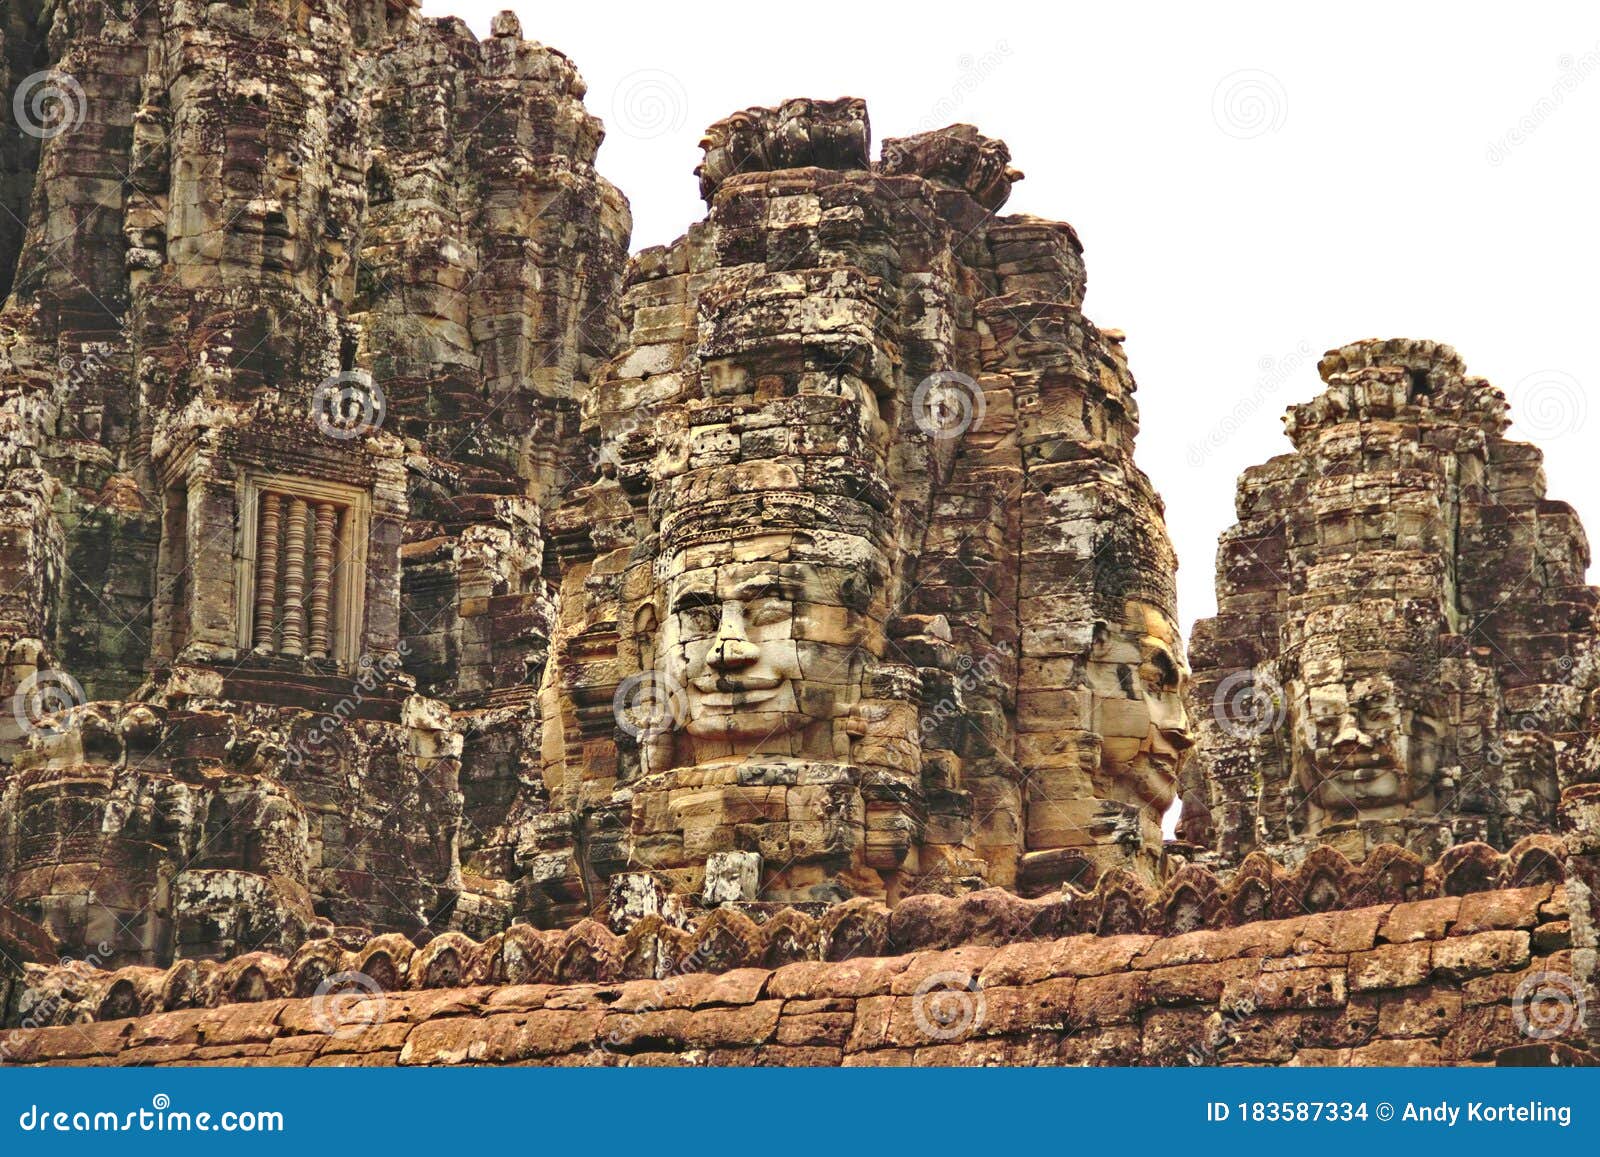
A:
x: 1403, y: 607
x: 866, y: 488
x: 1364, y: 750
x: 732, y: 633
x: 764, y: 645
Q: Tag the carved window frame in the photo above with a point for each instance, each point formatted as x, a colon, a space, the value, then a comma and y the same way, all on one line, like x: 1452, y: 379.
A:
x: 347, y: 627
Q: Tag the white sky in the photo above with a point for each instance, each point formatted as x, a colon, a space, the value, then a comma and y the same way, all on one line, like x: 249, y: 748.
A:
x: 1359, y: 183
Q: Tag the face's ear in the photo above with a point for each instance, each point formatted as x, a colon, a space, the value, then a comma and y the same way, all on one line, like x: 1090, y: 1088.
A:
x: 856, y: 592
x: 646, y: 633
x: 1425, y: 731
x: 1296, y: 805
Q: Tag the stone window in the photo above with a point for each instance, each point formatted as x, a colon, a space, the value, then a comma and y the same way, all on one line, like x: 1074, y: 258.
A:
x: 302, y: 569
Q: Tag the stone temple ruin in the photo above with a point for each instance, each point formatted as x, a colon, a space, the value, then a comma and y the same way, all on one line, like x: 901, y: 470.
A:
x: 762, y: 649
x: 1405, y: 649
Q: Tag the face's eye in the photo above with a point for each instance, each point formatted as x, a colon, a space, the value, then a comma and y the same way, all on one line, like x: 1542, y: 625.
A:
x: 1159, y: 674
x: 1324, y: 716
x: 698, y: 613
x: 767, y: 605
x: 1378, y: 712
x: 701, y: 620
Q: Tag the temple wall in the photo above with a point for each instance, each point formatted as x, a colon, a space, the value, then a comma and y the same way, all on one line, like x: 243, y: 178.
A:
x: 1480, y: 958
x: 1439, y: 981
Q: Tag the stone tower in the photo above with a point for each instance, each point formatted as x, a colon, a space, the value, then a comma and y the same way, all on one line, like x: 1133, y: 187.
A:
x: 375, y: 561
x: 1404, y: 646
x: 867, y: 596
x: 305, y: 301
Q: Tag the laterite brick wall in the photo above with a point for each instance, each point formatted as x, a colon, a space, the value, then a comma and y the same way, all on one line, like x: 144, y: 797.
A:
x: 1476, y: 979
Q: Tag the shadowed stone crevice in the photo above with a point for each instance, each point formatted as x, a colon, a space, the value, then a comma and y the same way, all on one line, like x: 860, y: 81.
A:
x: 22, y: 55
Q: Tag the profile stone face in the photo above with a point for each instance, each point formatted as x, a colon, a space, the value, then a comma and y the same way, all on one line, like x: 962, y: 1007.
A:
x: 1138, y: 678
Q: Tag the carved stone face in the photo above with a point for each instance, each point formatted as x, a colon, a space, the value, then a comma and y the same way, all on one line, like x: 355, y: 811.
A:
x: 1363, y: 750
x: 732, y: 145
x: 1137, y: 677
x: 764, y: 646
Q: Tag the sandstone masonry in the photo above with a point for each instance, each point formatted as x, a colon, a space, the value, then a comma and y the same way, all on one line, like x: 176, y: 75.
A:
x: 432, y: 636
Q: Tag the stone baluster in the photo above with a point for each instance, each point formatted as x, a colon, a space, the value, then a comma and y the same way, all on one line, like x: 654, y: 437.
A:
x: 322, y: 579
x: 294, y: 581
x: 267, y: 571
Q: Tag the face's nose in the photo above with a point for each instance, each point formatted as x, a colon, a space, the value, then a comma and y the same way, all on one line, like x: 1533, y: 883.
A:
x: 1171, y: 721
x: 1350, y: 737
x: 1178, y: 736
x: 732, y: 650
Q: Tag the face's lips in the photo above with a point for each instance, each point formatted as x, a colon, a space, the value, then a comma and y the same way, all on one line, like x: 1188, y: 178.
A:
x: 1368, y: 774
x: 729, y: 692
x: 740, y: 699
x: 1361, y: 759
x: 710, y: 684
x: 1361, y: 777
